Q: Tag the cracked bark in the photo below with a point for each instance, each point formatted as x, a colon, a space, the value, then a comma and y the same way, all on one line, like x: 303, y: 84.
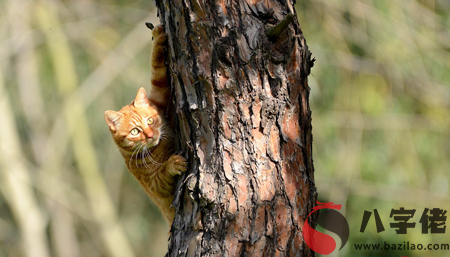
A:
x: 242, y: 105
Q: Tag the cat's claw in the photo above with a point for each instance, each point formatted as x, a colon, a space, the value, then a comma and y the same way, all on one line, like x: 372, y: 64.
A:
x: 177, y: 165
x: 159, y: 34
x: 179, y: 153
x: 158, y: 30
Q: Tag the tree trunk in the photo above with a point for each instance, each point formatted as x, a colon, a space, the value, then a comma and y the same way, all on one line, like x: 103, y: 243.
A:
x: 241, y: 99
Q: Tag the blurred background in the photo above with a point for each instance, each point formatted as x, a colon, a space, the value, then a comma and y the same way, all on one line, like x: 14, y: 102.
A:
x: 380, y: 101
x: 380, y: 96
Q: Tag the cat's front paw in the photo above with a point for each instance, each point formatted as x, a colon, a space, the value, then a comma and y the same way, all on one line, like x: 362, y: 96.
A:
x: 158, y: 52
x: 159, y: 35
x: 176, y: 165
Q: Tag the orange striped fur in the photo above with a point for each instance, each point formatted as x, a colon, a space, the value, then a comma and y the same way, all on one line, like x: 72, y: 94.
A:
x: 144, y: 137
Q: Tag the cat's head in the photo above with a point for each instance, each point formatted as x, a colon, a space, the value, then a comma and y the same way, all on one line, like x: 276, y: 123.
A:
x: 137, y: 124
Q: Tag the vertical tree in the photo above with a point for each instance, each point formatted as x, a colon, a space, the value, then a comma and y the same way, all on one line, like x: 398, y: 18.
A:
x: 239, y: 71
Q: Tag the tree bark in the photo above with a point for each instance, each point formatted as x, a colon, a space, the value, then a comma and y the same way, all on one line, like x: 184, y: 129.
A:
x: 242, y: 103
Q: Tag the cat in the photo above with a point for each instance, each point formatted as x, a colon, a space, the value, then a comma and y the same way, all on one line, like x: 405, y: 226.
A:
x: 144, y: 137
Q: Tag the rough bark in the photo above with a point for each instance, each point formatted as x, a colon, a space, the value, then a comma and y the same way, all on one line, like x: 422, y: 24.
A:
x: 245, y: 124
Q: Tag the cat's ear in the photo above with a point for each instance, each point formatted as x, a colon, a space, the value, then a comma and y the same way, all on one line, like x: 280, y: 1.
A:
x: 141, y: 99
x: 113, y: 119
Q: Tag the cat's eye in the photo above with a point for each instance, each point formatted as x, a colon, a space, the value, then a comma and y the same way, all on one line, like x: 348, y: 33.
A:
x: 134, y: 132
x: 150, y: 121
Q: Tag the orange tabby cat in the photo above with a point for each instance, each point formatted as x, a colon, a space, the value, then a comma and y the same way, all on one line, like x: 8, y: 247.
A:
x: 144, y: 137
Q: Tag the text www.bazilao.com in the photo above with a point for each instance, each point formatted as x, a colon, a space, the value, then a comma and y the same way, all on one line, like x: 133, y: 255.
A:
x: 403, y: 246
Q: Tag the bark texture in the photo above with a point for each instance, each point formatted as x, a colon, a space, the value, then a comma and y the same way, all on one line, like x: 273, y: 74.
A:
x: 245, y: 124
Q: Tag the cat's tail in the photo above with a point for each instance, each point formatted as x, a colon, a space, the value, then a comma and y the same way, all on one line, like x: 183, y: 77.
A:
x: 160, y: 90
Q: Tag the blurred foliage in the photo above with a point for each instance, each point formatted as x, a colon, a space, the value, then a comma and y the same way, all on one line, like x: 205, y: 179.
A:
x: 380, y: 96
x: 65, y: 190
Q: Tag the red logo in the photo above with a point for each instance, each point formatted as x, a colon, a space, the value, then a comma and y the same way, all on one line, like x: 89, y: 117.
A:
x: 331, y: 220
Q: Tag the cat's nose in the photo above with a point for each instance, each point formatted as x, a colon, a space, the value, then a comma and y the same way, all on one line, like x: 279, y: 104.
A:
x: 148, y: 133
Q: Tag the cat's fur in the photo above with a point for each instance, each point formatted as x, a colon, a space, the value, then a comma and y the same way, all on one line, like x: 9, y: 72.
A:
x: 144, y: 137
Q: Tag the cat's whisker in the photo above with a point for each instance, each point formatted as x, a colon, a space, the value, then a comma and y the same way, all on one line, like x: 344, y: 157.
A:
x: 164, y: 127
x: 145, y: 153
x: 150, y: 159
x: 140, y: 145
x: 166, y: 130
x: 148, y: 155
x: 135, y: 151
x: 142, y: 155
x: 141, y: 159
x: 153, y: 160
